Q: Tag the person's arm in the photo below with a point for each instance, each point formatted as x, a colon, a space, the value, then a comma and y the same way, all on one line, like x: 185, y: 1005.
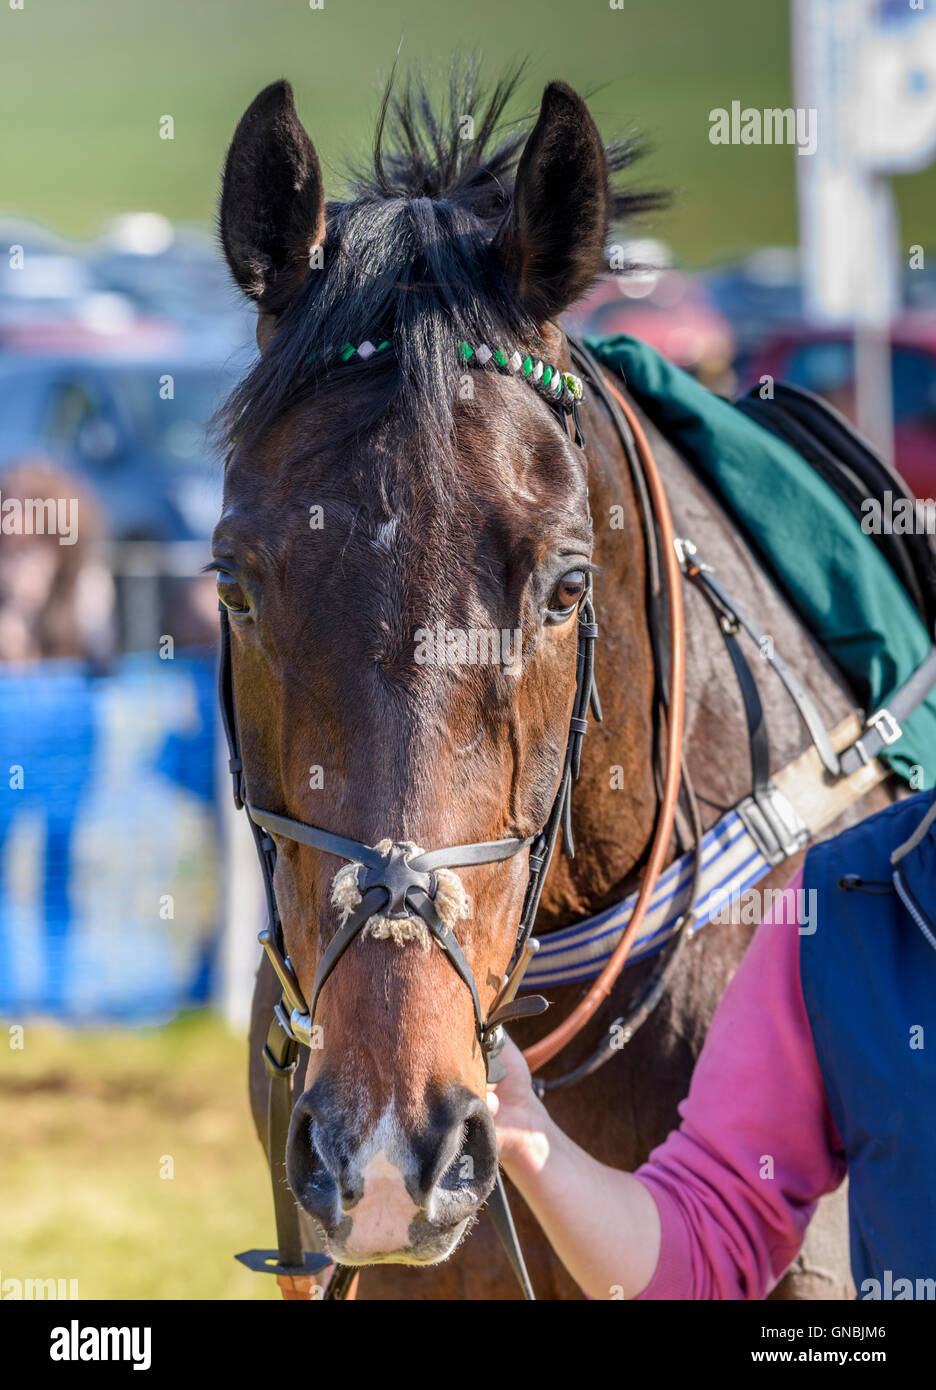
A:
x: 720, y: 1209
x: 602, y: 1223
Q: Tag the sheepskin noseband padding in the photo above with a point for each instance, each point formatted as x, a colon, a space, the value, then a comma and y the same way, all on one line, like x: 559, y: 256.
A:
x: 451, y: 901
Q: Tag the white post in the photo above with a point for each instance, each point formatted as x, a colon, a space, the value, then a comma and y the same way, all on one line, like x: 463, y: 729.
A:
x: 849, y: 247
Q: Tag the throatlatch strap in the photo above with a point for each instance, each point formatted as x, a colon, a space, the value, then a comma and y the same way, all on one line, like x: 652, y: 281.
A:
x: 758, y: 740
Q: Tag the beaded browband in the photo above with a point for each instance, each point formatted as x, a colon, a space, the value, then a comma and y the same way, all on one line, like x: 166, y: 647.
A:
x: 559, y: 388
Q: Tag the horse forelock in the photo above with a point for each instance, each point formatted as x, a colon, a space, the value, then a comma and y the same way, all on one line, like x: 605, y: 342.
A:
x: 410, y: 256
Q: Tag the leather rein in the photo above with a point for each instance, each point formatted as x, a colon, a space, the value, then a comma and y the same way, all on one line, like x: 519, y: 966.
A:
x: 402, y: 883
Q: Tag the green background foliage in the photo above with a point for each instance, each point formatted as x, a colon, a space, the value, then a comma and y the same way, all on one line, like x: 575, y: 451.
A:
x: 84, y: 86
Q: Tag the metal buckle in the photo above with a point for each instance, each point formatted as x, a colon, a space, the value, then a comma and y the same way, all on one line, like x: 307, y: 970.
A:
x: 300, y: 1025
x: 888, y: 730
x: 492, y: 1044
x: 773, y: 824
x: 297, y: 1026
x: 886, y: 725
x: 685, y: 553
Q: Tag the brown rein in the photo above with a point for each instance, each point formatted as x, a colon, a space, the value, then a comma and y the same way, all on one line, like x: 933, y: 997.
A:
x: 543, y: 1051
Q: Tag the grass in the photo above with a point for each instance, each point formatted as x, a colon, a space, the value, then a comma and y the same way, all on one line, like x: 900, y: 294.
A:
x: 86, y: 85
x: 89, y: 1119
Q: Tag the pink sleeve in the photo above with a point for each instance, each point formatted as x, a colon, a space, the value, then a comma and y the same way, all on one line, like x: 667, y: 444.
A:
x: 737, y: 1184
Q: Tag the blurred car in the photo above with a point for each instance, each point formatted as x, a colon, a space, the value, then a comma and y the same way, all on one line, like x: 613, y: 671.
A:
x: 141, y: 268
x: 102, y: 414
x: 44, y: 277
x: 824, y: 362
x: 173, y: 273
x: 759, y: 295
x: 668, y: 309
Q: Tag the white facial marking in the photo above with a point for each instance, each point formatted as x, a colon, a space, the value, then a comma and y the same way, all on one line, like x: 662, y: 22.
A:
x: 386, y: 532
x: 380, y: 1221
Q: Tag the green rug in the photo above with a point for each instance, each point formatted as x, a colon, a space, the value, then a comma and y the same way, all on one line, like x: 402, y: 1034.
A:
x: 832, y: 573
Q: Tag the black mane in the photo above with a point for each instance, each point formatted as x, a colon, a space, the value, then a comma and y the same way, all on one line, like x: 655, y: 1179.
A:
x: 408, y: 258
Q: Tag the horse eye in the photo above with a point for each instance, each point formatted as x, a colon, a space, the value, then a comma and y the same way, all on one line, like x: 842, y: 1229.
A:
x: 231, y: 594
x: 567, y: 592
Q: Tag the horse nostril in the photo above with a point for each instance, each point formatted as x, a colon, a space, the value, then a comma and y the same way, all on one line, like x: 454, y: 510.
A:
x: 470, y: 1175
x: 310, y: 1178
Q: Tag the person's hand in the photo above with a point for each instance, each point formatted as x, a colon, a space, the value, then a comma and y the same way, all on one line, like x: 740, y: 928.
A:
x: 519, y: 1118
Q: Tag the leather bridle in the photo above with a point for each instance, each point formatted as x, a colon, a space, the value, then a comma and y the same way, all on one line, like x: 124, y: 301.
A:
x: 397, y: 884
x: 401, y: 883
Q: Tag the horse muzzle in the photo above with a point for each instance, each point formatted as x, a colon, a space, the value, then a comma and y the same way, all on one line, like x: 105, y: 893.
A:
x: 389, y: 1195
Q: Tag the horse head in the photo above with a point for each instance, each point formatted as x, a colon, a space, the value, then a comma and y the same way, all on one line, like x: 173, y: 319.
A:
x: 403, y: 553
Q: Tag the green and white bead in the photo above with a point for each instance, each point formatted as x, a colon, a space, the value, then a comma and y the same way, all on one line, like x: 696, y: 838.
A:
x: 366, y: 350
x: 561, y: 388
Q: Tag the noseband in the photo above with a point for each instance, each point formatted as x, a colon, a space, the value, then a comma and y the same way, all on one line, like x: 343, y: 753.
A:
x: 396, y: 887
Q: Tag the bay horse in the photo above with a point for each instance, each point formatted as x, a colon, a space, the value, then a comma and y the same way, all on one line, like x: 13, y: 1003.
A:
x: 370, y: 496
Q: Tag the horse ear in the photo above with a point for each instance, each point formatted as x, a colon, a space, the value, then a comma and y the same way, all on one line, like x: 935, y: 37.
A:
x: 553, y: 244
x: 272, y: 204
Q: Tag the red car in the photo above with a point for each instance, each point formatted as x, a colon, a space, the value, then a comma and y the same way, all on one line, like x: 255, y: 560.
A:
x: 670, y: 310
x: 824, y: 362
